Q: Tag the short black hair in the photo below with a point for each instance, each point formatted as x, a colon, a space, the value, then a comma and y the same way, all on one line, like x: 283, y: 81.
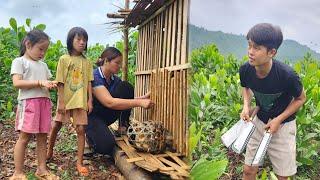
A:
x: 72, y: 33
x: 266, y: 34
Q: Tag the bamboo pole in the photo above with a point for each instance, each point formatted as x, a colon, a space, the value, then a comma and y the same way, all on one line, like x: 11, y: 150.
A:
x: 165, y: 98
x: 145, y: 50
x: 169, y: 36
x: 151, y: 47
x: 162, y: 69
x: 170, y: 102
x: 186, y: 125
x: 180, y: 16
x: 125, y: 47
x: 161, y: 96
x: 184, y: 32
x: 174, y: 35
x: 165, y: 34
x: 157, y: 62
x: 152, y: 94
x: 161, y: 41
x: 171, y: 107
x: 181, y: 101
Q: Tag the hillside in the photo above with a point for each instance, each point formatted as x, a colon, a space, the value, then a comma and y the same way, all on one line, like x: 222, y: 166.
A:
x: 237, y: 44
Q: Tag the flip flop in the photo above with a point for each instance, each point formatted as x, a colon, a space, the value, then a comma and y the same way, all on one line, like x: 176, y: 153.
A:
x: 83, y: 171
x: 47, y: 176
x: 18, y: 177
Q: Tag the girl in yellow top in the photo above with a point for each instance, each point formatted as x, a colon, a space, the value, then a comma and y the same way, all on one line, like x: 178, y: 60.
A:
x: 74, y: 75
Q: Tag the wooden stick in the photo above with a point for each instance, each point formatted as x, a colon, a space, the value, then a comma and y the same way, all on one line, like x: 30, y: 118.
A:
x: 169, y: 36
x: 175, y: 166
x: 165, y: 37
x: 151, y: 44
x: 178, y: 160
x: 181, y: 119
x: 174, y: 35
x: 185, y: 32
x: 186, y: 124
x: 179, y: 38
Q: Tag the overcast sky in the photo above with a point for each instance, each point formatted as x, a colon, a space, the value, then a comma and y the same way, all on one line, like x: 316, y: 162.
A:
x: 61, y: 15
x: 299, y: 20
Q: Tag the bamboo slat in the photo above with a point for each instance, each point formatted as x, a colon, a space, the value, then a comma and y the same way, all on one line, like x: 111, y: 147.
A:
x: 184, y: 31
x: 162, y: 68
x: 169, y: 36
x: 174, y: 36
x: 179, y: 39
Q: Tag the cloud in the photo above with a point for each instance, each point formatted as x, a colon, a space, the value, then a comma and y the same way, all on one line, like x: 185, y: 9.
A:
x: 299, y: 21
x: 61, y: 15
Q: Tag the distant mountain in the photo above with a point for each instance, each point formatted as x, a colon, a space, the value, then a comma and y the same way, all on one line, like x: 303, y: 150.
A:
x: 237, y: 44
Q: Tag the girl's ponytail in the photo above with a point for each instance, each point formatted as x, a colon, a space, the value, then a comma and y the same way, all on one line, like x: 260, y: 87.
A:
x: 23, y: 46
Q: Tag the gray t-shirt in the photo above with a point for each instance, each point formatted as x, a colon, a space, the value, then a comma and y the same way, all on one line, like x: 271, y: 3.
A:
x: 31, y: 70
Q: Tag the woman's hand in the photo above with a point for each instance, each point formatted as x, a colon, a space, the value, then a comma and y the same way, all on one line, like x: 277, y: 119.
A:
x: 90, y: 106
x: 146, y: 103
x: 146, y: 96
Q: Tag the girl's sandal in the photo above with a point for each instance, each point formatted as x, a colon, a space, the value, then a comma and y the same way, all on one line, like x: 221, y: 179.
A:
x: 83, y: 171
x: 47, y: 176
x: 18, y: 177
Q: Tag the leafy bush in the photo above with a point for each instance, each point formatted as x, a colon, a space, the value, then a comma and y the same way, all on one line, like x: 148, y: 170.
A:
x: 10, y: 39
x: 133, y: 39
x: 215, y: 105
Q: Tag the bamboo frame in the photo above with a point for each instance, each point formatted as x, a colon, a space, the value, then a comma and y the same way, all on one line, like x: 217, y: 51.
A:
x: 162, y: 68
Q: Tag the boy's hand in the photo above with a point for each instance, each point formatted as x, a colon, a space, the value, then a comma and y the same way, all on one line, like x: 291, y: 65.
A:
x: 90, y: 106
x: 273, y: 125
x: 146, y: 103
x: 245, y: 114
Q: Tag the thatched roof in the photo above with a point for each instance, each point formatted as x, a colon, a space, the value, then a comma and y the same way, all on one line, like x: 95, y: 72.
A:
x: 142, y: 10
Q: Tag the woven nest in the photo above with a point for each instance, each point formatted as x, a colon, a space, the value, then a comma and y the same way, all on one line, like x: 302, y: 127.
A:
x: 148, y: 136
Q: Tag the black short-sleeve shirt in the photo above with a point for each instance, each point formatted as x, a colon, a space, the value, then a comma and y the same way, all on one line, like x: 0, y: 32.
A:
x: 100, y: 80
x: 274, y: 92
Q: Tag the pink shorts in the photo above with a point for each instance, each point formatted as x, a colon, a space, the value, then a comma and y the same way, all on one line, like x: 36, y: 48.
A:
x: 34, y: 115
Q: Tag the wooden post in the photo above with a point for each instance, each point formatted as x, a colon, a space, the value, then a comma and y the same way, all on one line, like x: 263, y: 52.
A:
x: 125, y: 48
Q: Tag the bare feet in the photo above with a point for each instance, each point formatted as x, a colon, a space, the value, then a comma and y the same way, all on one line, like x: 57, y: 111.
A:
x: 16, y: 176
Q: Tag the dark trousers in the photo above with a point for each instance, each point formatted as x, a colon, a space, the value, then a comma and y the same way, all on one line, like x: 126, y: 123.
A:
x: 98, y: 135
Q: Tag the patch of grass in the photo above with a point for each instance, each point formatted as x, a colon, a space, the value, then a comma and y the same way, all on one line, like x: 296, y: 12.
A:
x: 66, y: 175
x: 31, y: 176
x: 67, y: 142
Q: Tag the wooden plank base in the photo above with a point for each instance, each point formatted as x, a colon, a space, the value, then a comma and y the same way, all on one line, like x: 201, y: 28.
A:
x: 167, y: 163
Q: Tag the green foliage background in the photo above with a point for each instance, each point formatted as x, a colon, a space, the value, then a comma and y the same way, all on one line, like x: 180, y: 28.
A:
x: 10, y: 38
x: 216, y: 104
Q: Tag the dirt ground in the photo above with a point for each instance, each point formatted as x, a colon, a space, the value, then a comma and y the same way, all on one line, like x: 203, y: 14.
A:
x: 63, y: 164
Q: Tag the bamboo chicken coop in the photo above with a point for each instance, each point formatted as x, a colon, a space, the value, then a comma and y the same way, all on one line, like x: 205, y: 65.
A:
x: 162, y: 64
x: 162, y: 69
